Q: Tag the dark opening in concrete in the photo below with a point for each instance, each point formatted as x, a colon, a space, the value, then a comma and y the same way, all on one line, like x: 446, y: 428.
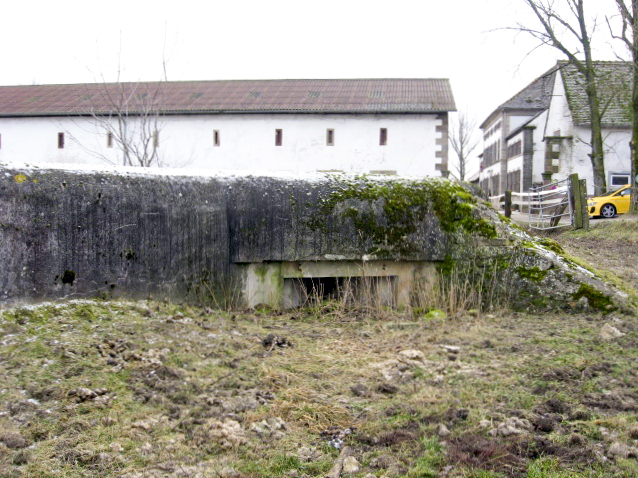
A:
x: 351, y: 290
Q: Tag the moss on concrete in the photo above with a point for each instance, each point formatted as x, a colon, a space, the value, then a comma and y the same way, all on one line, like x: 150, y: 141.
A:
x: 596, y: 299
x: 531, y: 273
x: 405, y: 205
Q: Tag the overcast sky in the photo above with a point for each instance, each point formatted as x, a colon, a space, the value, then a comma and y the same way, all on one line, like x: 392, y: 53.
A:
x: 70, y: 41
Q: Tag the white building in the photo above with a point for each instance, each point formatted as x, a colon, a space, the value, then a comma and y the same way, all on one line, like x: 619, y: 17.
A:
x: 543, y: 132
x: 387, y: 126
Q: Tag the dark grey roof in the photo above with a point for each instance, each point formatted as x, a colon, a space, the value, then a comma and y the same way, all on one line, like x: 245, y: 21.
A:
x: 241, y: 96
x: 614, y: 79
x: 534, y: 97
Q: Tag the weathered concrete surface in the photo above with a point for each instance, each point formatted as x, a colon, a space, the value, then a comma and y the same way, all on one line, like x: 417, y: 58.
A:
x: 66, y: 233
x: 218, y: 239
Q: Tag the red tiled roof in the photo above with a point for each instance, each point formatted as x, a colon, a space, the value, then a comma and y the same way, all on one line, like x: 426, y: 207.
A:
x: 242, y: 96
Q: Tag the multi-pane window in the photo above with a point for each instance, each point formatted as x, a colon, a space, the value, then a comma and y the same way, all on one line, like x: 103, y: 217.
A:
x: 513, y: 149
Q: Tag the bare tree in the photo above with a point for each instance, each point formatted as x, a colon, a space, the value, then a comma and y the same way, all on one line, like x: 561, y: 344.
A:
x: 559, y: 30
x: 130, y: 116
x: 629, y: 35
x: 464, y: 141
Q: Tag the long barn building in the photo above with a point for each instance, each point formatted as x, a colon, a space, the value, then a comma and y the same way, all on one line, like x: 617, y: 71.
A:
x: 382, y: 126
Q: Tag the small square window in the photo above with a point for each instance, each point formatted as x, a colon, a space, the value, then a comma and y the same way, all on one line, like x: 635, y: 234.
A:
x: 216, y: 137
x: 60, y: 140
x: 109, y: 139
x: 330, y: 137
x: 279, y: 136
x: 383, y: 137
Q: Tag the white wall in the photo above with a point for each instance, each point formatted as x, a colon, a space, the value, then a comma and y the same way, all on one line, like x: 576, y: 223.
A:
x: 247, y: 141
x: 575, y: 154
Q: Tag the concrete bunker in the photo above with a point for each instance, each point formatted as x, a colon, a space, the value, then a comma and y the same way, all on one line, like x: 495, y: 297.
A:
x: 273, y: 240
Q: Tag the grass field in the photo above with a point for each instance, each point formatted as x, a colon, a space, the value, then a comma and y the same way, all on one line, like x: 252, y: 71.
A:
x: 153, y: 389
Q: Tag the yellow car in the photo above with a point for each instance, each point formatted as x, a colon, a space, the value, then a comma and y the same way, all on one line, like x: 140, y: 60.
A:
x: 610, y: 203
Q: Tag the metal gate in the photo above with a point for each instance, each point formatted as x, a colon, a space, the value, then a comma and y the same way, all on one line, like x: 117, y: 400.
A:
x: 548, y: 204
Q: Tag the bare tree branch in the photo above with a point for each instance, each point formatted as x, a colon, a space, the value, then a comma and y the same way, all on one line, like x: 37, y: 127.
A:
x: 464, y: 141
x: 556, y: 28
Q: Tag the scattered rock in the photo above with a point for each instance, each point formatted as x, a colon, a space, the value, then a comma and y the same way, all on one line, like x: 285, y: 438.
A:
x: 453, y: 349
x: 85, y: 394
x: 272, y: 340
x: 351, y: 465
x: 335, y: 436
x: 228, y: 434
x: 442, y: 430
x: 609, y: 332
x: 145, y: 425
x: 228, y: 472
x: 359, y: 390
x: 272, y: 427
x: 116, y: 447
x: 414, y: 355
x: 512, y: 426
x: 387, y: 388
x: 146, y: 449
x: 307, y: 454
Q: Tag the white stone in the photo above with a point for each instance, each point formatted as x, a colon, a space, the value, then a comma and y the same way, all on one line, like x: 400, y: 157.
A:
x: 351, y: 465
x: 609, y: 332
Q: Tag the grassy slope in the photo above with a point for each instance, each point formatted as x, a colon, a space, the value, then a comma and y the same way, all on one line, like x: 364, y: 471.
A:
x: 169, y: 379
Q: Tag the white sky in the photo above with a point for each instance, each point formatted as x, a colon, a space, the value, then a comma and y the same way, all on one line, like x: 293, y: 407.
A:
x: 70, y: 41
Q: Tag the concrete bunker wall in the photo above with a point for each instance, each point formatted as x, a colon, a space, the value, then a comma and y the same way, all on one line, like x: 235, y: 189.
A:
x: 67, y: 234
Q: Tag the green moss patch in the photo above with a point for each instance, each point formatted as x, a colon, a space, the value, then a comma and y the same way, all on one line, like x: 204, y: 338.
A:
x: 532, y: 273
x: 405, y: 205
x: 596, y: 299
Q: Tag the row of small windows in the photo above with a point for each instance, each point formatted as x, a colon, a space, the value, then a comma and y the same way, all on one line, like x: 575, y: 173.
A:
x: 109, y: 140
x: 330, y: 137
x: 279, y: 138
x: 492, y: 130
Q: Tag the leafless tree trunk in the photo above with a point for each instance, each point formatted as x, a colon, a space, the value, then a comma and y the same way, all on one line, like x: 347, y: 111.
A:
x: 552, y: 24
x: 629, y: 35
x: 130, y: 117
x: 463, y: 141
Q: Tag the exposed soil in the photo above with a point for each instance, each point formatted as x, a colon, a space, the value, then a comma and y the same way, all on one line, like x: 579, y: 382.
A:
x: 150, y: 389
